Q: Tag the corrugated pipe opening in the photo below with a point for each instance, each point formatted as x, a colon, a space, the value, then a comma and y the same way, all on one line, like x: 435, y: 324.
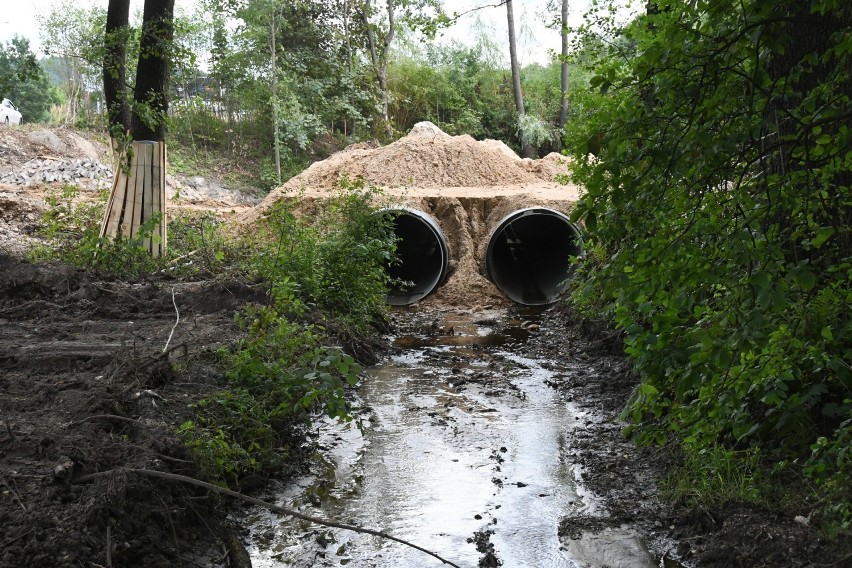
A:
x: 527, y: 255
x: 422, y: 252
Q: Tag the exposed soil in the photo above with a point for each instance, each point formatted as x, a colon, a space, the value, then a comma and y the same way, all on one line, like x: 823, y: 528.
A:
x: 86, y: 387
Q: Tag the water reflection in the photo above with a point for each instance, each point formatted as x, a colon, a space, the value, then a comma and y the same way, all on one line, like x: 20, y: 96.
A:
x: 462, y: 437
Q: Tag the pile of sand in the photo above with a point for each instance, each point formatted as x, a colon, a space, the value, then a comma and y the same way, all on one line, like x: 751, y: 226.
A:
x: 467, y: 186
x: 426, y: 158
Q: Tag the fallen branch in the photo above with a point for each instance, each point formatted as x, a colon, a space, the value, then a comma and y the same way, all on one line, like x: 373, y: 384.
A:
x: 9, y: 431
x: 19, y: 537
x: 13, y: 492
x: 177, y: 321
x: 109, y: 417
x: 258, y: 502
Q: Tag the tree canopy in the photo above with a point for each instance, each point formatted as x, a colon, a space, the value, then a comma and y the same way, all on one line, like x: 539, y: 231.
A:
x: 717, y: 166
x: 23, y: 81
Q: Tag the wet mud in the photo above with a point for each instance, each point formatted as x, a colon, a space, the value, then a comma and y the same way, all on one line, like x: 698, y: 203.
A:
x: 85, y: 386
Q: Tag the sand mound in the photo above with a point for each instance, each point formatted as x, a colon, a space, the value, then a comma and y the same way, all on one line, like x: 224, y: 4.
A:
x: 501, y: 146
x: 426, y: 158
x: 548, y: 167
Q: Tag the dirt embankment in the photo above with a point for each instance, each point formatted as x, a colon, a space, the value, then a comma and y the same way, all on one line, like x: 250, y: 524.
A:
x: 85, y: 386
x: 468, y: 186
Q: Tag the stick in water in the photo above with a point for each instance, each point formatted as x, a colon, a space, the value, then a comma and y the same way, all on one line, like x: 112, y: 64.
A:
x: 270, y: 506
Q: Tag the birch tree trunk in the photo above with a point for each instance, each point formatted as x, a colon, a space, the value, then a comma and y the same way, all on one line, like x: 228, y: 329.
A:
x: 273, y: 62
x: 526, y: 149
x: 563, y: 114
x: 380, y: 61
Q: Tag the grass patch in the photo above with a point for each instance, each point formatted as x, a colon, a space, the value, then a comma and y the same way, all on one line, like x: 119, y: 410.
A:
x: 717, y: 475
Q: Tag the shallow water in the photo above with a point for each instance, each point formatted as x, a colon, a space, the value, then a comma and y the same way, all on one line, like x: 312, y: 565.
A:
x: 461, y: 436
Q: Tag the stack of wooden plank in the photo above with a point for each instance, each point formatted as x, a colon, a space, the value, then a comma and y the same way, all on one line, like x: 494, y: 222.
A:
x: 139, y: 196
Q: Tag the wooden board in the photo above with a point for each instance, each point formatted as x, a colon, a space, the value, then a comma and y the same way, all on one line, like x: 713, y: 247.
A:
x: 117, y: 205
x: 156, y: 199
x: 147, y: 187
x: 138, y: 176
x: 164, y: 199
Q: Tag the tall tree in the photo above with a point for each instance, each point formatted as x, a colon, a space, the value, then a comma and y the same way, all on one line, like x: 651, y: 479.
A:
x: 23, y: 81
x: 138, y: 193
x: 719, y: 208
x: 423, y: 15
x: 563, y: 113
x: 72, y: 35
x: 116, y: 34
x: 151, y: 101
x: 145, y: 119
x: 526, y: 148
x: 379, y: 55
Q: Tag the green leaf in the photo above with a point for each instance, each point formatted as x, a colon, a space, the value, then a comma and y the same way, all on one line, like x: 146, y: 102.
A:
x: 807, y: 280
x: 822, y: 236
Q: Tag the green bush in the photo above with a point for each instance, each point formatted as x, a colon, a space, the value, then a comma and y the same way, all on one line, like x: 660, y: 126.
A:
x: 279, y: 377
x: 336, y: 260
x: 720, y: 228
x: 329, y: 268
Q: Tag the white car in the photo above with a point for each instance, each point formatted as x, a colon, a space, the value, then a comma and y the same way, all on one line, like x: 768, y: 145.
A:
x: 9, y: 114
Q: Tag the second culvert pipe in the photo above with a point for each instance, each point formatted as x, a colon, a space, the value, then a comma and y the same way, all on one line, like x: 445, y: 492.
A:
x: 422, y: 254
x: 527, y: 255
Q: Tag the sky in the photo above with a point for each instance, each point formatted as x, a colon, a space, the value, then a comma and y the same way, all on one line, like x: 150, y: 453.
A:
x: 534, y: 38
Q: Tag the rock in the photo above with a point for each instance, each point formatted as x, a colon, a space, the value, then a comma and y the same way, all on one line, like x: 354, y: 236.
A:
x: 426, y: 128
x: 63, y: 470
x: 49, y: 139
x: 197, y: 182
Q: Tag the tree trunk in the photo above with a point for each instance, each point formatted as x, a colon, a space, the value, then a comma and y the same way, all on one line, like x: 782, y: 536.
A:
x: 273, y: 62
x: 563, y: 114
x: 347, y: 36
x: 137, y: 203
x: 151, y: 103
x: 114, y: 68
x: 380, y: 62
x: 526, y: 149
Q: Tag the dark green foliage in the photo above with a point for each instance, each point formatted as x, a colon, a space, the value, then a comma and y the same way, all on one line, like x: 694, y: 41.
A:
x: 279, y: 376
x: 718, y: 212
x: 335, y: 262
x: 330, y: 269
x: 327, y: 270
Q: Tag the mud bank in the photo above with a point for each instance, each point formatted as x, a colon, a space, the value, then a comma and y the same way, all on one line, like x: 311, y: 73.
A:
x: 723, y: 536
x: 85, y: 387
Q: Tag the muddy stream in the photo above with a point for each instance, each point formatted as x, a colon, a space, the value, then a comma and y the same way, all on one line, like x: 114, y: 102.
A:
x: 462, y: 451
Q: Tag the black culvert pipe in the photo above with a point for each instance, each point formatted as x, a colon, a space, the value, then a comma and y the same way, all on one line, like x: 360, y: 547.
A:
x: 527, y: 255
x: 422, y: 253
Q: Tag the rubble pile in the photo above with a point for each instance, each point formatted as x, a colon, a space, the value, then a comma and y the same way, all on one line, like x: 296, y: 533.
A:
x: 82, y: 172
